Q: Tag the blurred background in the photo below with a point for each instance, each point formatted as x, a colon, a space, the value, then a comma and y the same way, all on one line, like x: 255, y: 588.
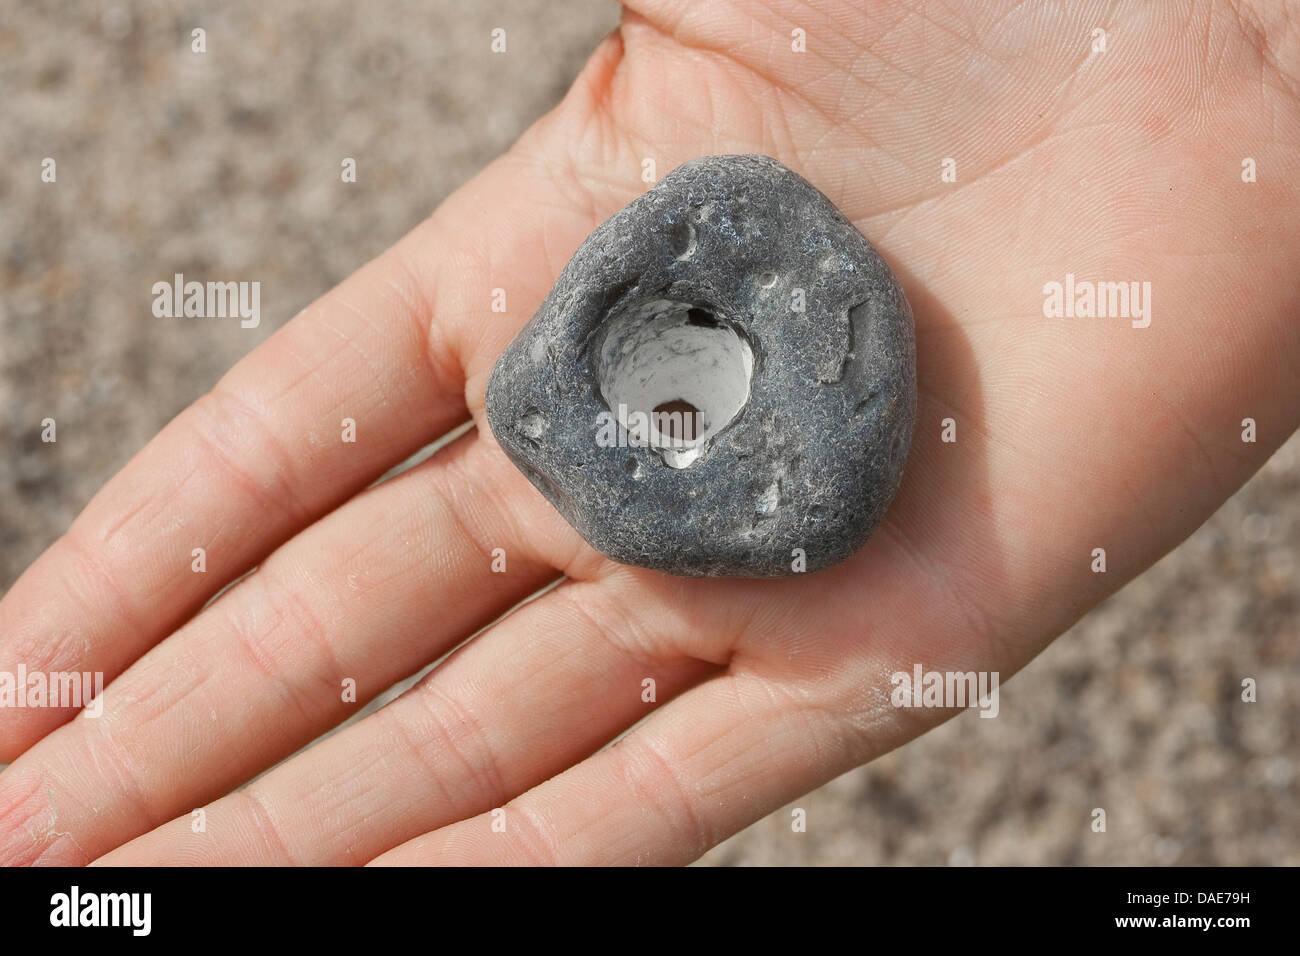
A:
x: 226, y: 166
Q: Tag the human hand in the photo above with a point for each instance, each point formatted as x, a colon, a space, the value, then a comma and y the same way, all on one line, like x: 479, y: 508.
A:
x: 1072, y: 434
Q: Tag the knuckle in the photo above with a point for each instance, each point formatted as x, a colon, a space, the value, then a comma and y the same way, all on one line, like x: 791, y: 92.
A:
x: 277, y: 630
x: 245, y: 451
x: 458, y: 734
x: 655, y: 781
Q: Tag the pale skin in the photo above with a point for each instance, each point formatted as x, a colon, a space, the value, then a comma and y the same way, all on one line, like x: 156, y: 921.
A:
x: 1072, y: 434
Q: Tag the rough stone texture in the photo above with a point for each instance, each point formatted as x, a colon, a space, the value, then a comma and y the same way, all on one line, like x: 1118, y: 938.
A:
x: 1130, y: 709
x: 813, y: 457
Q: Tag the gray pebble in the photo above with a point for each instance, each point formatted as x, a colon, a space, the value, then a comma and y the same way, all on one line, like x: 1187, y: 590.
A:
x: 722, y: 379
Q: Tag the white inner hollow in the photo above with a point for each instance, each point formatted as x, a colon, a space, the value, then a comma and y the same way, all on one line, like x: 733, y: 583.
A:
x: 674, y: 376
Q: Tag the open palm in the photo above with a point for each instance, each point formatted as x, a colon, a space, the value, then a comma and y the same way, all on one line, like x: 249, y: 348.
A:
x: 1071, y: 434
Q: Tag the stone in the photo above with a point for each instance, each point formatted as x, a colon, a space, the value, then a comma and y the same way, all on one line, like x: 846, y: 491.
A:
x: 722, y: 381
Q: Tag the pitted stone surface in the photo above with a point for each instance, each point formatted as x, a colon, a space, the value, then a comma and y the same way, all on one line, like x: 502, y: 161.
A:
x: 735, y: 288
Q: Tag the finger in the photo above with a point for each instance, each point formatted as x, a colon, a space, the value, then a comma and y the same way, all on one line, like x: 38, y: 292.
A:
x: 263, y: 454
x: 539, y: 691
x: 355, y: 603
x: 705, y: 766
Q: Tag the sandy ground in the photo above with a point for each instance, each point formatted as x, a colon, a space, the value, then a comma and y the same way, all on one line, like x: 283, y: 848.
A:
x: 227, y: 165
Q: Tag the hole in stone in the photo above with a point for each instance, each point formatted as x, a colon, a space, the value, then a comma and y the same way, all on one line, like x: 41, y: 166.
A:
x: 673, y: 374
x: 678, y: 419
